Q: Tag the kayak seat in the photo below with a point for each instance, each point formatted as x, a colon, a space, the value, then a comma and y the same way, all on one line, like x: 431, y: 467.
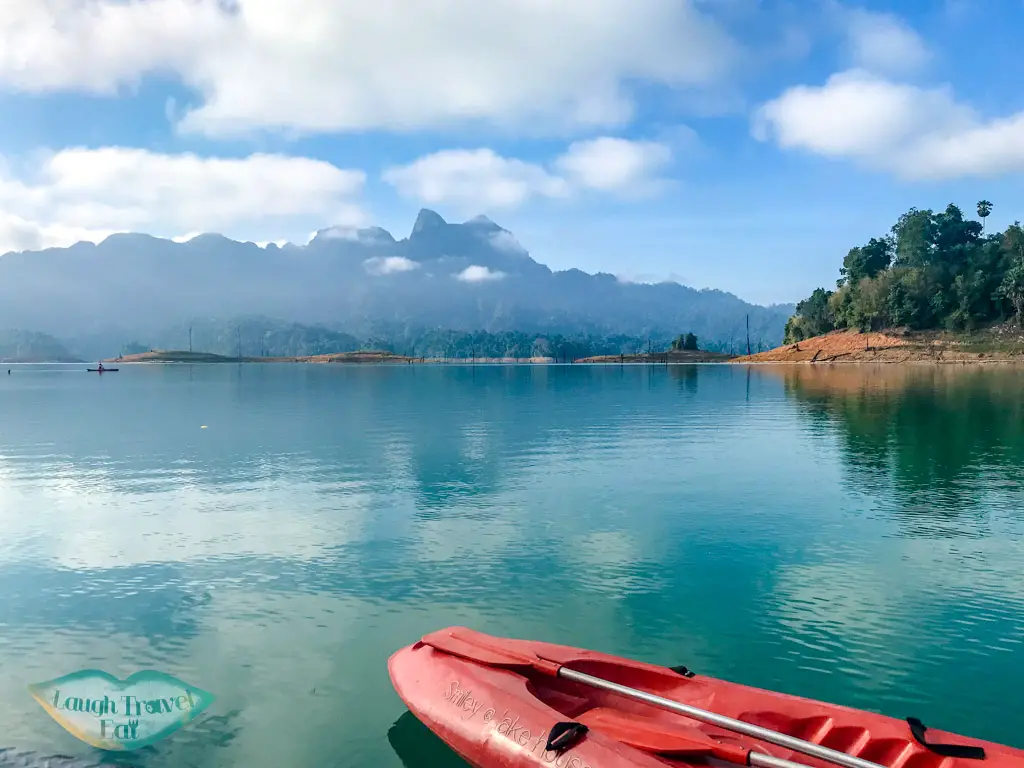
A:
x: 856, y: 740
x: 893, y: 752
x: 658, y: 736
x: 850, y: 739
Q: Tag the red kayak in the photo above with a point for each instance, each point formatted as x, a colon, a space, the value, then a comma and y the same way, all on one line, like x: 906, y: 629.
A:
x: 517, y: 703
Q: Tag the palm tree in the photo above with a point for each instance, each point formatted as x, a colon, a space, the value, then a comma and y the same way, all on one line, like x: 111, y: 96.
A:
x: 984, y: 209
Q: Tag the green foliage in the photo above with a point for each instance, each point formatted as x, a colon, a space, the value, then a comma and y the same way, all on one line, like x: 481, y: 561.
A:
x: 267, y: 337
x: 259, y: 336
x: 984, y: 209
x: 814, y: 316
x: 867, y: 261
x: 1012, y: 288
x: 686, y: 342
x: 933, y: 270
x: 443, y: 343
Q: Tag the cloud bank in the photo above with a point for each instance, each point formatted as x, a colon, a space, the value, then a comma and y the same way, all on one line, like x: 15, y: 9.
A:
x: 342, y: 65
x: 915, y: 132
x: 87, y: 194
x: 481, y: 179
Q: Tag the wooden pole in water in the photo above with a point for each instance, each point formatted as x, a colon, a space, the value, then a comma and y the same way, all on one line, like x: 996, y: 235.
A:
x: 748, y: 334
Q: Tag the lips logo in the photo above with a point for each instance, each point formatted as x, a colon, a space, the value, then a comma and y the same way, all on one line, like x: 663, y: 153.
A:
x: 120, y: 715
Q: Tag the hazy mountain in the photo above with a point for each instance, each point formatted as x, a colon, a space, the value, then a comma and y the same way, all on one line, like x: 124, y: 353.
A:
x: 32, y: 347
x: 468, y: 276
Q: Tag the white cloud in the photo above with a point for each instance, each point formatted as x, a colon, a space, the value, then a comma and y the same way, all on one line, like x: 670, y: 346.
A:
x: 481, y: 179
x: 87, y: 194
x: 917, y: 133
x: 504, y: 240
x: 389, y: 265
x: 478, y: 274
x: 854, y: 113
x: 339, y: 233
x: 21, y: 234
x: 611, y: 164
x: 322, y: 65
x: 986, y: 149
x: 883, y: 43
x: 478, y: 178
x: 646, y: 278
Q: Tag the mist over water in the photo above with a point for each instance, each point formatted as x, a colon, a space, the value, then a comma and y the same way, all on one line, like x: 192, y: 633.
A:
x: 846, y: 533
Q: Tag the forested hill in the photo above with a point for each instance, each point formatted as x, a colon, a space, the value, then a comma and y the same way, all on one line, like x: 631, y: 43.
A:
x: 17, y: 346
x: 932, y: 270
x: 267, y: 337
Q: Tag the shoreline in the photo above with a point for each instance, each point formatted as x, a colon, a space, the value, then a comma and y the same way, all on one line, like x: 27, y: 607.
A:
x: 1004, y: 346
x: 899, y: 347
x: 175, y: 357
x: 972, y: 360
x: 463, y: 362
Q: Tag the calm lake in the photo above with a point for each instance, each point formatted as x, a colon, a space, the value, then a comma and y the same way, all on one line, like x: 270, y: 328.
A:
x: 848, y: 533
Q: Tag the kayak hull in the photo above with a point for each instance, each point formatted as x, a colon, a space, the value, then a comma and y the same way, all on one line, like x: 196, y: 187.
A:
x: 501, y: 718
x: 489, y: 718
x: 102, y: 370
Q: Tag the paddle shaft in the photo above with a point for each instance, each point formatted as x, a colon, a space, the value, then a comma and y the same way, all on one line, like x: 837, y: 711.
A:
x: 729, y: 724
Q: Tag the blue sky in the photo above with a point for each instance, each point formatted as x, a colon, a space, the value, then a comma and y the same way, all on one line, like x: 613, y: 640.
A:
x: 734, y: 144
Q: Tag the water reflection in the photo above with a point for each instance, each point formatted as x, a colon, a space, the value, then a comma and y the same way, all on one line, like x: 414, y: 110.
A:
x: 417, y: 746
x: 947, y: 441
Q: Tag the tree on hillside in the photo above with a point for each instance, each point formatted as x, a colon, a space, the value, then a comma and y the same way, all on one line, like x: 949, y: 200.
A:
x: 684, y: 342
x: 933, y: 269
x: 814, y: 316
x: 866, y: 261
x: 913, y: 235
x: 984, y: 209
x: 1012, y: 288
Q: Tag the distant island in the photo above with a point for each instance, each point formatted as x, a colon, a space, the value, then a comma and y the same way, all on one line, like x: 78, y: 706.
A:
x: 994, y: 345
x: 376, y: 356
x: 184, y: 356
x: 482, y: 349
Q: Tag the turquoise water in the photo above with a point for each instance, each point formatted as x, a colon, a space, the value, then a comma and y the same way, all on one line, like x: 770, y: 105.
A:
x: 852, y: 534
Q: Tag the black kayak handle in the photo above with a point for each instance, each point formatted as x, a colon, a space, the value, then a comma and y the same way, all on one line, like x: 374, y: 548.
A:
x: 564, y: 735
x: 963, y: 751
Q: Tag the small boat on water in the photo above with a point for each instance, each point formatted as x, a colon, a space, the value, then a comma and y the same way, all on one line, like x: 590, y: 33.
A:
x: 101, y: 369
x: 506, y: 703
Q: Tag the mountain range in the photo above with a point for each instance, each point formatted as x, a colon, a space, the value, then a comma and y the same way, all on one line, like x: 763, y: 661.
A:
x: 460, y: 276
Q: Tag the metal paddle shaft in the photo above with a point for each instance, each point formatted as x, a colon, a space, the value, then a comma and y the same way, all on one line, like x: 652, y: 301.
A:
x: 728, y: 723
